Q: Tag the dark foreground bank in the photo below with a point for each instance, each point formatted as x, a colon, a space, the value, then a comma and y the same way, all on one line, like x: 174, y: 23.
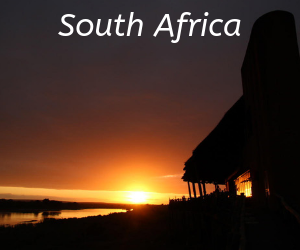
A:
x: 146, y: 227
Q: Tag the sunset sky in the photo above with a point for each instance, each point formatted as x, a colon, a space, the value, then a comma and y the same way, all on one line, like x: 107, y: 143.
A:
x: 92, y: 118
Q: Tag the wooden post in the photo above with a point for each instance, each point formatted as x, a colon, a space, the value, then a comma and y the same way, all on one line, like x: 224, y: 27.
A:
x: 194, y: 189
x: 204, y: 188
x: 189, y: 190
x: 200, y: 189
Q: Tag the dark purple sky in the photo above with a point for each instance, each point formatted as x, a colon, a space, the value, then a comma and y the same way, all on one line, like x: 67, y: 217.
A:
x: 108, y: 113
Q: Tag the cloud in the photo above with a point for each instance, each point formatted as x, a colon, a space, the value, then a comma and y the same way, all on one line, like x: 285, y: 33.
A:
x: 170, y: 176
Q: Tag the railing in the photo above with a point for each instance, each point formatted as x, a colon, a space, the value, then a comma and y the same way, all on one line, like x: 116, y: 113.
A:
x: 194, y: 200
x: 210, y: 222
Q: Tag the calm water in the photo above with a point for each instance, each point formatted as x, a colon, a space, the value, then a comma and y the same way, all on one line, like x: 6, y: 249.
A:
x: 7, y: 218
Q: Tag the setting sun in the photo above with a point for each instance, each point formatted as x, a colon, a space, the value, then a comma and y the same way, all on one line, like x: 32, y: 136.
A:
x: 137, y: 197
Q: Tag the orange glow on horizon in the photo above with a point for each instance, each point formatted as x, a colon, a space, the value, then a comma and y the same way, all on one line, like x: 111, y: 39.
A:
x: 133, y: 196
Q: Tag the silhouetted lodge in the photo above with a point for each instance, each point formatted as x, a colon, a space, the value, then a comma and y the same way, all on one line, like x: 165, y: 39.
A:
x: 219, y: 154
x: 255, y: 147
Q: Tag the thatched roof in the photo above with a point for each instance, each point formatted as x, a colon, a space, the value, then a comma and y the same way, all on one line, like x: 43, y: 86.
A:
x: 220, y: 153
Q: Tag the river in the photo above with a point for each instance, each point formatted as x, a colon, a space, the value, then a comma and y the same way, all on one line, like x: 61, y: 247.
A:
x: 13, y: 218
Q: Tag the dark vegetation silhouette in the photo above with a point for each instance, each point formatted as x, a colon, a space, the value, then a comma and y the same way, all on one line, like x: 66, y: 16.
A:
x: 46, y: 204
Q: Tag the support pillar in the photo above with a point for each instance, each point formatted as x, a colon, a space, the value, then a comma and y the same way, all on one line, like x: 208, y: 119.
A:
x: 189, y: 190
x: 194, y: 189
x: 216, y: 188
x: 200, y: 189
x: 204, y: 188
